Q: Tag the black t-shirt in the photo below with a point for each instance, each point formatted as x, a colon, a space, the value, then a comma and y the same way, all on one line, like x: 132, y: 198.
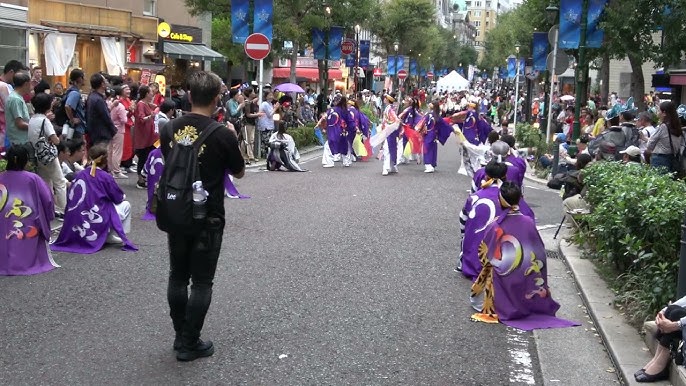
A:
x: 219, y: 155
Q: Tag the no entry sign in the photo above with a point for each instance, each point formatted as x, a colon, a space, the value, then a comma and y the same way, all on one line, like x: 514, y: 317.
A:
x: 402, y: 74
x: 377, y: 71
x: 257, y: 46
x: 430, y: 75
x: 347, y: 47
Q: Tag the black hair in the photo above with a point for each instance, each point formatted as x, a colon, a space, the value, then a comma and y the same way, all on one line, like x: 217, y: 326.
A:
x: 74, y: 145
x: 75, y: 75
x: 585, y: 139
x: 233, y: 92
x: 493, y: 136
x: 118, y: 90
x: 13, y: 65
x: 143, y: 91
x: 17, y: 158
x: 583, y: 159
x: 116, y: 80
x: 497, y: 170
x: 437, y: 109
x: 61, y: 147
x: 20, y: 79
x: 614, y: 121
x: 670, y: 119
x: 509, y: 139
x: 511, y: 193
x: 632, y: 158
x: 97, y: 80
x: 204, y: 87
x: 42, y: 103
x: 628, y: 116
x: 167, y: 106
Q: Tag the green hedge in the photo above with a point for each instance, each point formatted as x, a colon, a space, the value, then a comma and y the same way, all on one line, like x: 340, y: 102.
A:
x: 303, y: 136
x: 3, y: 165
x: 633, y: 232
x: 528, y: 136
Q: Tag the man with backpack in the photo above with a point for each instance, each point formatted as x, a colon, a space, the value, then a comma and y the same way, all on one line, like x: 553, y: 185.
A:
x: 198, y: 153
x: 72, y: 110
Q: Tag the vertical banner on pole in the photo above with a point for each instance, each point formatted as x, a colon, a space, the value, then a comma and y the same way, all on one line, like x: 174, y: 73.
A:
x: 511, y: 67
x: 263, y: 17
x: 470, y: 73
x: 318, y: 44
x: 595, y: 35
x: 540, y: 50
x: 413, y: 67
x: 334, y: 46
x: 391, y: 65
x: 364, y: 53
x: 503, y: 73
x: 239, y: 20
x: 570, y: 24
x: 399, y: 63
x: 522, y: 66
x: 422, y: 72
x: 350, y: 60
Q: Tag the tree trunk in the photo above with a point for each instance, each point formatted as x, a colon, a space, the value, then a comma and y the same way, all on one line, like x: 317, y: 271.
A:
x: 294, y: 61
x: 605, y: 78
x: 229, y: 69
x: 637, y: 81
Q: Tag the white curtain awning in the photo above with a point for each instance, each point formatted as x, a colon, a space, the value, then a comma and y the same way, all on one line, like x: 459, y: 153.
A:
x: 113, y: 52
x: 59, y: 52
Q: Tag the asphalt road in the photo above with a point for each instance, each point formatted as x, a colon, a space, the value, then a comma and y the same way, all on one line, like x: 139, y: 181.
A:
x: 335, y: 276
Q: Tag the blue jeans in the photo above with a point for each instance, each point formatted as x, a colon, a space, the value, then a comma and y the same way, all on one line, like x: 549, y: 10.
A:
x: 663, y: 161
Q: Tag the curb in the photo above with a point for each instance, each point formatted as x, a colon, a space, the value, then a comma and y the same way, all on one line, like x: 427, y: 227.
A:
x: 627, y: 350
x: 263, y: 163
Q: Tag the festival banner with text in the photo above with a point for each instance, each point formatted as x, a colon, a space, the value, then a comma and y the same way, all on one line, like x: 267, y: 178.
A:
x: 239, y: 20
x: 540, y: 48
x: 263, y: 18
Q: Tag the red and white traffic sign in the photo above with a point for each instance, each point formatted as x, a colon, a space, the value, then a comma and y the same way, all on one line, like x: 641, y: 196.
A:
x: 430, y: 75
x: 347, y: 47
x: 402, y: 74
x: 257, y: 46
x: 377, y: 71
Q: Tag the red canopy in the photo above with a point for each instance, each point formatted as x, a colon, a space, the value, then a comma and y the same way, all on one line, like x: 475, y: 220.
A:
x: 311, y: 74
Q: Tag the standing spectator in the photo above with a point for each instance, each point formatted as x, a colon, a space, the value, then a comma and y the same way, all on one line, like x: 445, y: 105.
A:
x: 646, y: 128
x: 126, y: 164
x: 157, y: 98
x: 101, y: 128
x: 12, y: 67
x: 667, y: 141
x: 17, y: 112
x: 251, y: 113
x: 144, y: 135
x: 194, y: 255
x: 116, y: 146
x: 52, y: 172
x: 265, y: 122
x: 38, y: 83
x: 166, y: 113
x: 74, y: 107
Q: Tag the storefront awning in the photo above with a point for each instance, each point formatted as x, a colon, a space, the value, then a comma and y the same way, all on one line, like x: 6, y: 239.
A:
x: 26, y: 26
x: 191, y: 51
x: 309, y: 74
x: 677, y: 79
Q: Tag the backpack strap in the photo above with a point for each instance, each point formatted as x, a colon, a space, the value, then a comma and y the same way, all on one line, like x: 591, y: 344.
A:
x: 207, y: 131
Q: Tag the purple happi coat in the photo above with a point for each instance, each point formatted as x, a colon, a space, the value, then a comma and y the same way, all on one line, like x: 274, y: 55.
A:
x: 153, y: 169
x: 354, y: 115
x: 26, y: 209
x: 91, y: 214
x: 337, y: 122
x: 514, y: 280
x: 475, y: 128
x: 479, y: 211
x: 514, y: 174
x: 436, y: 130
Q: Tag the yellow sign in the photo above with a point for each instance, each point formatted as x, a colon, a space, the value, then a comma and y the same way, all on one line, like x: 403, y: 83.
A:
x: 181, y: 37
x: 162, y: 82
x: 163, y: 29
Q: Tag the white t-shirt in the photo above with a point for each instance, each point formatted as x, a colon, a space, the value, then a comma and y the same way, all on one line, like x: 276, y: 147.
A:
x: 35, y: 124
x: 648, y: 132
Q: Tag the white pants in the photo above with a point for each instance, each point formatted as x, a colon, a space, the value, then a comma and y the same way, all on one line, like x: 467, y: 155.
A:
x: 348, y: 157
x: 327, y: 157
x: 52, y: 175
x: 124, y: 212
x: 387, y: 158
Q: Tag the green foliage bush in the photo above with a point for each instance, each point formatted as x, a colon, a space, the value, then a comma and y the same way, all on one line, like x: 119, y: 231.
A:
x: 634, y: 228
x: 3, y: 165
x: 531, y: 137
x: 304, y: 136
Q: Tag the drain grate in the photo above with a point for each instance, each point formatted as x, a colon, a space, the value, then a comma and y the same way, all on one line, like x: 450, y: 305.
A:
x: 550, y: 254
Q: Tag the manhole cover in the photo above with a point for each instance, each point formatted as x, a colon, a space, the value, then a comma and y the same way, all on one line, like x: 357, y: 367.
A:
x: 550, y: 254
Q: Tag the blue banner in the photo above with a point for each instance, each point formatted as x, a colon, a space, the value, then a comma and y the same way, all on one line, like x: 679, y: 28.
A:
x: 364, y: 53
x: 432, y: 69
x: 391, y: 65
x: 318, y: 44
x: 570, y: 24
x: 522, y: 66
x: 595, y: 35
x: 511, y: 67
x: 350, y: 60
x: 540, y: 50
x: 239, y: 20
x: 444, y: 71
x: 460, y: 71
x: 335, y: 40
x: 399, y: 63
x: 263, y: 17
x: 503, y: 73
x: 422, y: 71
x: 413, y: 67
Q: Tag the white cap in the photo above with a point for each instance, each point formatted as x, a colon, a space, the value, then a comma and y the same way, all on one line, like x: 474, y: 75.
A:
x: 632, y: 151
x: 253, y: 83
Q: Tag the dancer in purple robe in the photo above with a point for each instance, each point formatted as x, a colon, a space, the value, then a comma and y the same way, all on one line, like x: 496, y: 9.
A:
x: 409, y: 117
x: 512, y: 287
x: 434, y: 129
x: 514, y: 172
x: 389, y: 131
x: 26, y: 209
x: 152, y: 170
x: 475, y: 130
x: 338, y: 120
x: 479, y: 210
x: 96, y: 211
x: 360, y: 122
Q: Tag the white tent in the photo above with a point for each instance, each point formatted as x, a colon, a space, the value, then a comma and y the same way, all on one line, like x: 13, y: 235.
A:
x: 452, y: 82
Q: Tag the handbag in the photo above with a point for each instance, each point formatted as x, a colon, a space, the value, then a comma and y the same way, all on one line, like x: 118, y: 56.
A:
x: 46, y: 152
x: 678, y: 158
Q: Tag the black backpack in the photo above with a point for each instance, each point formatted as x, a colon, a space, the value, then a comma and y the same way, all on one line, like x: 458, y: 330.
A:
x: 60, y: 111
x: 174, y: 191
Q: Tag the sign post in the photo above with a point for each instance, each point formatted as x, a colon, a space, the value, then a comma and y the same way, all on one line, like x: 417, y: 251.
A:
x: 257, y: 47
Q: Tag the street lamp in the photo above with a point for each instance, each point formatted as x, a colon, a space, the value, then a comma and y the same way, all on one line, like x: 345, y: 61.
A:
x: 551, y: 14
x: 357, y: 56
x: 325, y: 76
x: 396, y: 45
x: 580, y: 75
x: 516, y: 86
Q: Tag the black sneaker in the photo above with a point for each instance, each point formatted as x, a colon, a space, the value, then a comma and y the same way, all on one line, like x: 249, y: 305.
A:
x: 59, y: 216
x: 178, y: 343
x: 141, y: 185
x: 199, y: 350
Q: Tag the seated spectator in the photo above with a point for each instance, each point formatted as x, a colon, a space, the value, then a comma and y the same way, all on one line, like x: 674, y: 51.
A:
x: 96, y: 210
x: 40, y: 126
x: 670, y: 321
x: 581, y: 147
x: 632, y: 155
x: 546, y: 160
x: 282, y: 151
x: 573, y: 195
x: 70, y: 160
x: 512, y: 287
x: 24, y: 219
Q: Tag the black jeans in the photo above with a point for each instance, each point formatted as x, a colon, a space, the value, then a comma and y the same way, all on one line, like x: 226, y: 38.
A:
x: 142, y: 158
x: 192, y: 257
x: 672, y: 313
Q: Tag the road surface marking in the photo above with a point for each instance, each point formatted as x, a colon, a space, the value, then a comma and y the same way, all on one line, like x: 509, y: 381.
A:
x: 521, y: 369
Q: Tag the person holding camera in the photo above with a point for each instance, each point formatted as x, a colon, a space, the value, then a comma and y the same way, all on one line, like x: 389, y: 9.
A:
x: 101, y: 128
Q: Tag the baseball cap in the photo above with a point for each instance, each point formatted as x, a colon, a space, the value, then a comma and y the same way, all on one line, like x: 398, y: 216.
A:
x: 632, y: 151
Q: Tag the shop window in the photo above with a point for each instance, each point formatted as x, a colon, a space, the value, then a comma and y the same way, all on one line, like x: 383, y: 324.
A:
x: 150, y: 7
x: 12, y: 45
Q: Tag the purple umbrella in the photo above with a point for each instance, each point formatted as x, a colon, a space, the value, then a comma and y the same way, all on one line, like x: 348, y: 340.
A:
x: 289, y: 87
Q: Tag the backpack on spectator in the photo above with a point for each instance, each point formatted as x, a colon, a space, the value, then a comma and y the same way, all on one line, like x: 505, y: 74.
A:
x: 60, y: 111
x: 173, y: 198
